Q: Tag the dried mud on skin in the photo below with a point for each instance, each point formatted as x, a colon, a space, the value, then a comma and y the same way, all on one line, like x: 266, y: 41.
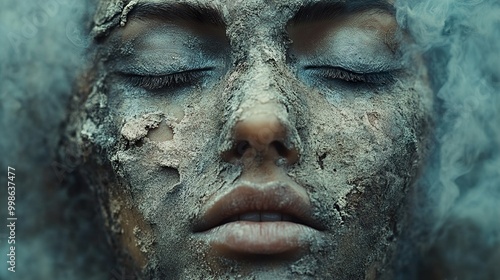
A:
x: 128, y: 188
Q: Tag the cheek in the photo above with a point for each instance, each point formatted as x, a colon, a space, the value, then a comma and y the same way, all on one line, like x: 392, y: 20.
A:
x: 146, y: 178
x: 365, y: 152
x: 161, y: 149
x: 358, y: 136
x: 166, y: 168
x: 132, y: 232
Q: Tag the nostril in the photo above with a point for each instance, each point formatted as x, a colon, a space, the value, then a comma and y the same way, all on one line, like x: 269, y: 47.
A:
x: 241, y: 147
x: 280, y: 148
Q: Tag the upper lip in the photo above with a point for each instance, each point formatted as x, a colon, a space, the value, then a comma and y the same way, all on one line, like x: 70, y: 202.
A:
x: 246, y: 199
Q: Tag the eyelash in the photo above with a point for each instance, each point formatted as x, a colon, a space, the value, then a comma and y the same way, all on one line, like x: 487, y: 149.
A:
x: 337, y: 73
x: 187, y: 78
x: 170, y: 81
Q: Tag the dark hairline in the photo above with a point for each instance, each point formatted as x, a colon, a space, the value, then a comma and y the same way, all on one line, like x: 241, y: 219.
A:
x: 205, y: 14
x: 177, y: 12
x: 330, y: 10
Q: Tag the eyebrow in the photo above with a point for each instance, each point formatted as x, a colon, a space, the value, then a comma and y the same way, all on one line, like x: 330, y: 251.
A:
x: 177, y: 12
x: 328, y: 10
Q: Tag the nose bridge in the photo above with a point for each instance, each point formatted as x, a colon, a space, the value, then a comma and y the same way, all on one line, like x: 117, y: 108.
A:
x: 262, y: 104
x: 262, y: 111
x: 259, y: 119
x: 260, y: 92
x: 261, y: 62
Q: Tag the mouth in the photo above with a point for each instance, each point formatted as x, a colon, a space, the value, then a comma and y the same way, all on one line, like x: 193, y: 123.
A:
x: 268, y: 220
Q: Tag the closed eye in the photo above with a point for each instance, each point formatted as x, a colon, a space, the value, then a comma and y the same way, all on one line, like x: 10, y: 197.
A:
x: 167, y: 82
x: 351, y: 77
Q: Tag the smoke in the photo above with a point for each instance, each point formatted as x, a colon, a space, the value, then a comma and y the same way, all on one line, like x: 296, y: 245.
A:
x: 457, y: 213
x: 456, y: 222
x: 41, y: 51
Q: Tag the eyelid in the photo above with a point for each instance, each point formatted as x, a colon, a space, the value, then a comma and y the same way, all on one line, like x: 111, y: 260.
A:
x: 159, y: 62
x: 144, y: 72
x: 339, y: 73
x: 357, y: 63
x: 168, y: 81
x: 160, y: 65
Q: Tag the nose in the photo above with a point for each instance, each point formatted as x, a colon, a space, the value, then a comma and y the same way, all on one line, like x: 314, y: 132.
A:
x: 260, y: 136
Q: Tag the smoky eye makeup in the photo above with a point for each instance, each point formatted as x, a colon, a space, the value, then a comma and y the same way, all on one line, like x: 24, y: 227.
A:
x: 333, y: 71
x: 174, y: 81
x: 163, y: 72
x: 167, y: 60
x: 350, y: 78
x: 348, y: 58
x: 350, y: 65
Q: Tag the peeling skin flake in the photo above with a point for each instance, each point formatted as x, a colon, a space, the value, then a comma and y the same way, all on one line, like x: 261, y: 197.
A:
x: 126, y: 10
x: 137, y: 129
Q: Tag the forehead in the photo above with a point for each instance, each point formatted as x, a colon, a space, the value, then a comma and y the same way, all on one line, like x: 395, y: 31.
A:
x: 111, y: 13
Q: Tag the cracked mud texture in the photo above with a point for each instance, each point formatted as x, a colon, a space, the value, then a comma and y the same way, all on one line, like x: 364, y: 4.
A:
x: 155, y: 159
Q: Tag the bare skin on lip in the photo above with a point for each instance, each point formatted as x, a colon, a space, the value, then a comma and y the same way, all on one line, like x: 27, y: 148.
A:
x: 281, y: 198
x: 265, y: 238
x: 263, y: 219
x: 345, y: 130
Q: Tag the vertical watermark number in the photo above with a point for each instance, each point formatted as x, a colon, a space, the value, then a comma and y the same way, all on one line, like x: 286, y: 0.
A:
x: 11, y: 219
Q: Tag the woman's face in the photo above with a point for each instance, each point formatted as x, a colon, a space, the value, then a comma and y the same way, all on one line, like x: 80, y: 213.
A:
x: 256, y: 138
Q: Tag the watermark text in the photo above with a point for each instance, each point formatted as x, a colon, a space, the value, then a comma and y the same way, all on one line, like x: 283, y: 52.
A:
x: 11, y: 219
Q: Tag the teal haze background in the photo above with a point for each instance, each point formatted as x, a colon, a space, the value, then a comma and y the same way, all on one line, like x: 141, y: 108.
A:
x: 455, y: 228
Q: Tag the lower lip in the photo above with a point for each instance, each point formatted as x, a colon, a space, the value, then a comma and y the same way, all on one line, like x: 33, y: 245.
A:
x: 265, y: 238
